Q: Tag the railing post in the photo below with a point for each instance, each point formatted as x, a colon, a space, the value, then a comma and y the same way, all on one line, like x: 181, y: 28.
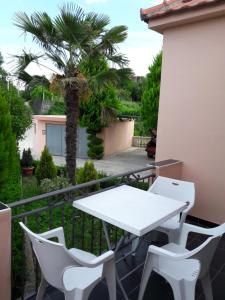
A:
x: 5, y: 252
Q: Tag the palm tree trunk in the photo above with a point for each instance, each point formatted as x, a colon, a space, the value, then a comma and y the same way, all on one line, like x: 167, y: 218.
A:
x: 72, y: 99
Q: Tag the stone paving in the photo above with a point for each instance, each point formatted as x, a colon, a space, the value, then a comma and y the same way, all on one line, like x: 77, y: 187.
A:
x: 128, y: 160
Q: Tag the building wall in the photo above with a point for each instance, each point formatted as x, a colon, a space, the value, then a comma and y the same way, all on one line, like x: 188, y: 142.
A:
x: 117, y: 137
x: 39, y: 131
x: 191, y: 125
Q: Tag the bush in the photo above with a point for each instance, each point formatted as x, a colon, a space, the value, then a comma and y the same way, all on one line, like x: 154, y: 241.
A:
x: 57, y: 183
x: 46, y: 168
x: 27, y: 159
x: 61, y: 171
x: 128, y: 108
x: 95, y: 147
x: 86, y: 174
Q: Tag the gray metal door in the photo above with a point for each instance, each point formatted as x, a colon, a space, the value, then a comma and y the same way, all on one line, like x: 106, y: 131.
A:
x: 55, y: 140
x: 82, y: 147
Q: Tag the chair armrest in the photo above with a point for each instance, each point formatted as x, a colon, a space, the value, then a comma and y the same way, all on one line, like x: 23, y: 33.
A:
x: 166, y: 253
x: 107, y: 256
x: 57, y: 232
x: 178, y: 256
x: 187, y: 228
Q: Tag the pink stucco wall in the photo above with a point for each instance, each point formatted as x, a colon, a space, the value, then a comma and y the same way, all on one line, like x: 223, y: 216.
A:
x: 117, y: 137
x: 191, y: 125
x: 5, y: 254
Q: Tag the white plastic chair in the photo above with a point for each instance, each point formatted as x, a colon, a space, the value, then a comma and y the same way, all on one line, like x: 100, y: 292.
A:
x: 73, y: 271
x: 179, y: 190
x: 181, y: 267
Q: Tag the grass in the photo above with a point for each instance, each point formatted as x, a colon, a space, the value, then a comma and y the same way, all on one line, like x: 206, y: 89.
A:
x: 30, y: 187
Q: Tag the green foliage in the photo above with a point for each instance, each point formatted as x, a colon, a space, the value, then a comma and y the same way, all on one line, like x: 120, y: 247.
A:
x: 46, y: 168
x: 41, y: 92
x: 150, y: 98
x: 57, y: 183
x: 10, y: 180
x: 131, y: 89
x: 30, y: 187
x: 1, y: 59
x: 21, y: 118
x: 86, y: 174
x: 95, y: 147
x: 139, y: 129
x: 58, y: 108
x: 27, y: 159
x: 129, y: 108
x: 99, y: 110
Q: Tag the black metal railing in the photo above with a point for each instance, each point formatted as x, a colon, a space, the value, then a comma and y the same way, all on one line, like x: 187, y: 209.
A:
x: 54, y: 209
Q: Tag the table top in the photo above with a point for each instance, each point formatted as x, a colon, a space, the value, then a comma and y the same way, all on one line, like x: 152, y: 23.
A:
x: 131, y: 209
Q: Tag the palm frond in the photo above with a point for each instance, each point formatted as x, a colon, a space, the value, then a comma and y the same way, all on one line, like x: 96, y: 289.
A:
x: 98, y: 22
x: 23, y: 60
x: 125, y: 74
x: 57, y: 60
x: 116, y: 35
x: 119, y: 59
x: 102, y: 79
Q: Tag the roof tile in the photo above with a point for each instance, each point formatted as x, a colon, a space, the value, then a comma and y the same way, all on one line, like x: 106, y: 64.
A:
x: 173, y: 6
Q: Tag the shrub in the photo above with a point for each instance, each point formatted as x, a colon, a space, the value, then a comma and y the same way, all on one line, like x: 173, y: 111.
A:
x: 46, y: 168
x: 27, y: 159
x: 128, y: 108
x: 57, y: 183
x: 61, y: 171
x: 95, y: 147
x: 86, y: 174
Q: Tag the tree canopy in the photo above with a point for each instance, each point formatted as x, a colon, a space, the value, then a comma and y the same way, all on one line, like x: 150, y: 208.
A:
x: 67, y: 40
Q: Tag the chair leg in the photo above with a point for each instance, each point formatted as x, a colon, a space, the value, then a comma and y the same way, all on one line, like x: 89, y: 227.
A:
x: 135, y: 244
x: 78, y: 294
x: 145, y: 277
x: 207, y: 287
x: 183, y: 290
x: 110, y: 276
x: 41, y: 289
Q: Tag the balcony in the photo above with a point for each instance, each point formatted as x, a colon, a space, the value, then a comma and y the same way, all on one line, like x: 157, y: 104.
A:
x: 54, y: 209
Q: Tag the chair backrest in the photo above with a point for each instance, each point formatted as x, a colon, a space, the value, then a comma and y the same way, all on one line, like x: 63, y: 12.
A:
x: 207, y: 249
x: 176, y: 189
x: 52, y: 257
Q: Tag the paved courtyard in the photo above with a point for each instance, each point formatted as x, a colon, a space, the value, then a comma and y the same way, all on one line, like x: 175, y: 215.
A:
x: 131, y: 159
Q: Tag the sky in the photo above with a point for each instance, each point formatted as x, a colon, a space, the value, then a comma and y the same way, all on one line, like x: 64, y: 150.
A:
x: 140, y: 47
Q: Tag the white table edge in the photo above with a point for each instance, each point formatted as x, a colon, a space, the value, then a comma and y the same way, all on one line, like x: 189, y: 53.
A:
x: 124, y: 226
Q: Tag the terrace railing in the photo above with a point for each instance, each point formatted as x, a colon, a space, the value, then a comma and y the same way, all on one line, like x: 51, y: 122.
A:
x: 54, y: 209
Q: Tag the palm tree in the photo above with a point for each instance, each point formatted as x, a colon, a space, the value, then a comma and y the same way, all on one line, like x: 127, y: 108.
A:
x: 67, y: 40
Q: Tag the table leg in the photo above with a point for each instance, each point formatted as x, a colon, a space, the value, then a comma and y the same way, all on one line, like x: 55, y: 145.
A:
x: 115, y: 251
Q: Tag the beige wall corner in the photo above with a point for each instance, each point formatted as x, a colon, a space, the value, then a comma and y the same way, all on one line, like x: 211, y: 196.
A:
x: 117, y: 136
x: 191, y: 111
x: 5, y: 252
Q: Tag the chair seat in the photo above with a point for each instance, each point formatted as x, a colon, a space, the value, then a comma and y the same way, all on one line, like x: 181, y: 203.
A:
x: 187, y: 269
x: 81, y: 277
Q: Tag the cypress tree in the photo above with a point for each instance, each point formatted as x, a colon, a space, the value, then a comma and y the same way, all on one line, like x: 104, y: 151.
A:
x: 10, y: 182
x: 150, y: 98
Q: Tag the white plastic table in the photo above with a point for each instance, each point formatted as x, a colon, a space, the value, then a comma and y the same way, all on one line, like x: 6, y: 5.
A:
x: 134, y: 210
